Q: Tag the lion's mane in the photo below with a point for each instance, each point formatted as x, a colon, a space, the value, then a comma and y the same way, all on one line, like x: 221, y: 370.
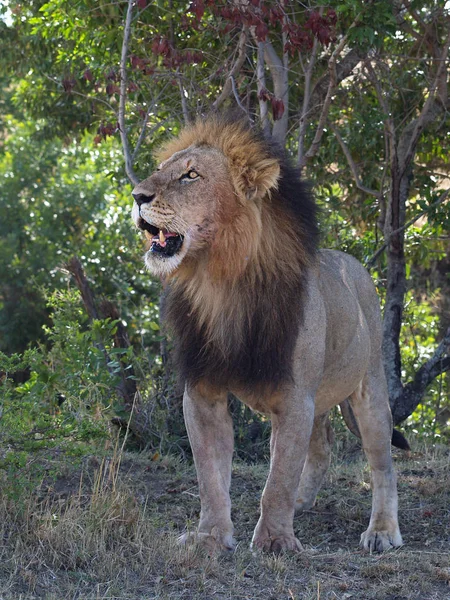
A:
x: 235, y: 317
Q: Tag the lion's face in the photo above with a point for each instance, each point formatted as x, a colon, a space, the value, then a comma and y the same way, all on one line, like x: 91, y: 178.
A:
x: 178, y: 206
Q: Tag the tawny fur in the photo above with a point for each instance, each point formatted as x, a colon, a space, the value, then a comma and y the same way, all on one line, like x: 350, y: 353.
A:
x: 250, y: 229
x: 255, y: 310
x: 249, y: 164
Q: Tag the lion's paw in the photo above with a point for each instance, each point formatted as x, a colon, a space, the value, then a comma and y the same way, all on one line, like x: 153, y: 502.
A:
x: 276, y: 543
x: 214, y: 542
x: 380, y: 540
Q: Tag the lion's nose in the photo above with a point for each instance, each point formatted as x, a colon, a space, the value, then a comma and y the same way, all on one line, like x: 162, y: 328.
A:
x: 142, y: 198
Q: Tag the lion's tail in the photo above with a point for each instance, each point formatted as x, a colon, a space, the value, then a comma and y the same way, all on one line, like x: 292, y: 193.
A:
x: 398, y: 439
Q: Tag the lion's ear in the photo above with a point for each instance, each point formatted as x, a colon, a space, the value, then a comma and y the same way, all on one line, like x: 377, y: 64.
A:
x: 261, y: 178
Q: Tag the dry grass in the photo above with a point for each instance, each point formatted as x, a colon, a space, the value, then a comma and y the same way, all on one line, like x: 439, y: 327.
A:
x: 110, y: 531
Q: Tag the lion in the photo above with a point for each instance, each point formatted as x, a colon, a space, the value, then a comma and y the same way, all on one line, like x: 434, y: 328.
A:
x: 257, y: 310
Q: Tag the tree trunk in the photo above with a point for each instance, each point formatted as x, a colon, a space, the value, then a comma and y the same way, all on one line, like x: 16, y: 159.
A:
x: 127, y: 389
x: 396, y: 280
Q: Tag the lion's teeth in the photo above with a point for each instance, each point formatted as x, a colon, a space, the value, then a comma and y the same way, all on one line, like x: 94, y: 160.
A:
x: 162, y: 237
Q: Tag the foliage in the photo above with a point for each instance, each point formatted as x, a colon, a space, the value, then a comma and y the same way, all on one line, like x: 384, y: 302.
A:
x: 58, y: 199
x: 419, y: 337
x: 68, y: 391
x: 63, y: 191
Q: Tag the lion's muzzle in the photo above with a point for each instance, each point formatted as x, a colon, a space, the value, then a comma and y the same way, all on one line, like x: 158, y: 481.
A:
x: 141, y: 199
x: 164, y: 243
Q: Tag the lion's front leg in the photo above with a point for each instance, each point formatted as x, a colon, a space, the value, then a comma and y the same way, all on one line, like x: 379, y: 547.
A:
x: 291, y: 431
x: 210, y: 432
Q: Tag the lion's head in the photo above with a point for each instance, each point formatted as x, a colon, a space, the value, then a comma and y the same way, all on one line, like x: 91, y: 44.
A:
x: 205, y: 197
x: 234, y: 229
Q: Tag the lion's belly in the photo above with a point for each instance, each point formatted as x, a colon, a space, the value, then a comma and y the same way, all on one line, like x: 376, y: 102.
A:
x: 344, y: 361
x: 340, y: 338
x: 342, y: 376
x: 351, y: 315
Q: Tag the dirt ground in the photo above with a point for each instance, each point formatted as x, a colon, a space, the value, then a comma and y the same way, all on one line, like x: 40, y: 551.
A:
x: 108, y: 531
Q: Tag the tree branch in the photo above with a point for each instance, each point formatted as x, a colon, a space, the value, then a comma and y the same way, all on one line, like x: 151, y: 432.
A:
x: 279, y: 74
x: 142, y: 134
x: 343, y: 70
x: 388, y: 120
x: 184, y: 106
x: 236, y: 95
x: 306, y: 99
x: 242, y: 53
x: 261, y: 85
x: 352, y: 164
x: 421, y: 121
x: 402, y: 22
x: 85, y: 96
x: 123, y: 96
x: 76, y: 270
x: 313, y: 149
x: 93, y: 99
x: 144, y: 131
x: 413, y: 391
x: 126, y: 388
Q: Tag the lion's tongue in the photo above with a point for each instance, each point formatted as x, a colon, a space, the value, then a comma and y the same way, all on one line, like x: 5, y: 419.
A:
x: 162, y: 236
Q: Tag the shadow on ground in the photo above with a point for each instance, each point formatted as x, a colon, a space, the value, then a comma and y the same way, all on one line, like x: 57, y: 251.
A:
x: 108, y: 530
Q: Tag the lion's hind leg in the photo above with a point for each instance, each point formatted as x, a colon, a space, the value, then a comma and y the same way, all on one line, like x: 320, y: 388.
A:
x: 317, y: 463
x: 371, y: 408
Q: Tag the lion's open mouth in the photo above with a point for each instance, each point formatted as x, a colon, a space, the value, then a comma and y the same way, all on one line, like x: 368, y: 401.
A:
x: 164, y: 243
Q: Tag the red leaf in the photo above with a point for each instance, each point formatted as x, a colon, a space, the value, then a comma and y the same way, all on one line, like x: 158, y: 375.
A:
x: 155, y: 44
x: 322, y: 27
x: 164, y: 47
x: 332, y: 16
x: 142, y: 4
x: 226, y: 13
x: 111, y: 89
x: 264, y: 94
x: 112, y: 75
x: 198, y: 8
x: 261, y: 31
x: 275, y: 15
x: 185, y: 23
x: 277, y: 108
x: 136, y: 62
x: 68, y: 84
x: 88, y: 75
x: 299, y: 38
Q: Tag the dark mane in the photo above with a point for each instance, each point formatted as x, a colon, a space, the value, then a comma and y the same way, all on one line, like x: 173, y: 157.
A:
x: 262, y: 309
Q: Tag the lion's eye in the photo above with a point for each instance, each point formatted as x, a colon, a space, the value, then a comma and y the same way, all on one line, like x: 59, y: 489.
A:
x: 190, y: 175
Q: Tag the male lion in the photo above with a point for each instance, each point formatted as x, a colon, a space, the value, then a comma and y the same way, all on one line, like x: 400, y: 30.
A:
x: 257, y: 311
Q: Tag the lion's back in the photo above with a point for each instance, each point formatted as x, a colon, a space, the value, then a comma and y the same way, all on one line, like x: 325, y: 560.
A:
x: 348, y: 290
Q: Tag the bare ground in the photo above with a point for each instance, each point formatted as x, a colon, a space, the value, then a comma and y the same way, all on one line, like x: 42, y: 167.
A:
x: 108, y: 531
